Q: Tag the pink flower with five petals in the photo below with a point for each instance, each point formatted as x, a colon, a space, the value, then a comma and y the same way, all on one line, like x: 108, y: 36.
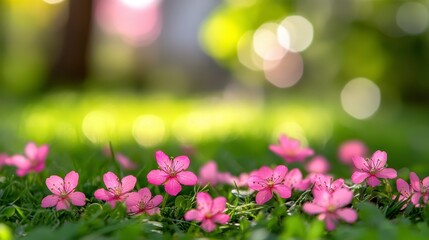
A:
x: 63, y: 192
x: 290, y: 150
x: 331, y: 207
x: 372, y: 169
x: 421, y: 189
x: 142, y: 202
x: 172, y: 173
x: 33, y: 160
x: 117, y: 191
x: 209, y: 212
x: 268, y: 181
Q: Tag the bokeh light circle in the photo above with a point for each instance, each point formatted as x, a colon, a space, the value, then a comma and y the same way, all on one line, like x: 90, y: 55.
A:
x: 360, y: 98
x: 295, y: 33
x: 412, y: 17
x: 149, y: 130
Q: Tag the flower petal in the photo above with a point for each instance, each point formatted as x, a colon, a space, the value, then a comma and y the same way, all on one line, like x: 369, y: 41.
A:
x: 63, y: 204
x: 263, y: 196
x: 282, y: 190
x: 70, y: 181
x: 276, y: 149
x: 172, y: 186
x: 55, y: 184
x: 342, y: 197
x: 279, y: 173
x: 360, y: 163
x: 157, y: 177
x: 111, y: 180
x: 77, y: 198
x: 31, y: 150
x: 292, y: 178
x: 387, y: 173
x: 402, y: 186
x: 42, y: 153
x: 208, y: 225
x: 264, y: 172
x: 163, y: 161
x: 50, y: 201
x: 145, y: 195
x: 312, y: 208
x: 379, y: 159
x: 221, y: 218
x: 373, y: 181
x: 102, y: 194
x: 193, y: 215
x: 20, y: 161
x: 218, y: 205
x: 187, y: 178
x: 415, y: 181
x: 156, y: 201
x: 256, y: 183
x: 347, y: 214
x: 425, y: 182
x: 153, y: 211
x: 180, y: 163
x: 330, y: 221
x: 415, y: 199
x: 358, y: 176
x: 128, y: 183
x: 133, y: 199
x: 204, y: 202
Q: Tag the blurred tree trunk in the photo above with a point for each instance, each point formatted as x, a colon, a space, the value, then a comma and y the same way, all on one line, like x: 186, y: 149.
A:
x: 70, y: 65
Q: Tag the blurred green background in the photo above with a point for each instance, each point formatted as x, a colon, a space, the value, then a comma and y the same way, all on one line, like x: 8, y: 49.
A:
x: 225, y: 77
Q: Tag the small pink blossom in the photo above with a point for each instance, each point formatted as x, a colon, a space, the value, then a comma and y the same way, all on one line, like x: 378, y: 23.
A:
x: 293, y: 180
x: 142, y: 202
x: 172, y: 173
x: 63, y: 192
x: 33, y: 160
x: 209, y: 174
x: 117, y: 191
x: 421, y: 189
x: 372, y: 169
x: 350, y: 149
x: 405, y: 191
x: 327, y: 184
x: 266, y: 181
x: 331, y: 207
x: 209, y: 212
x: 318, y: 164
x: 240, y: 181
x: 290, y: 150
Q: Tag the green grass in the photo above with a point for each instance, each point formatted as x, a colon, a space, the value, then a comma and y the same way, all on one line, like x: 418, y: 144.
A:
x: 235, y: 134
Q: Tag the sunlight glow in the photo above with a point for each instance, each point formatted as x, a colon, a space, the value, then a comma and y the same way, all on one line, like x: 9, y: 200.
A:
x: 99, y: 126
x: 53, y: 1
x: 149, y: 130
x: 291, y: 129
x: 360, y: 98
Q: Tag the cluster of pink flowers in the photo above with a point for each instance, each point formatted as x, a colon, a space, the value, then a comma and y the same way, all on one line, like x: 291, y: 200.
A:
x: 331, y: 198
x: 33, y: 160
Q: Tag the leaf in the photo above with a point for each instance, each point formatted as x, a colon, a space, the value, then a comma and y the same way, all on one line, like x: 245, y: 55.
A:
x: 8, y: 211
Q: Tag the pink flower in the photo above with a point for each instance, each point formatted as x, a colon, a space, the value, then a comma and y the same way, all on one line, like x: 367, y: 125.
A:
x: 318, y: 164
x: 63, y: 192
x: 350, y: 149
x: 142, y: 202
x: 405, y: 190
x: 267, y: 181
x: 117, y: 191
x: 421, y: 189
x: 240, y: 181
x: 172, y: 173
x: 290, y: 150
x: 293, y: 180
x: 372, y: 169
x: 331, y: 207
x: 208, y: 174
x: 209, y: 212
x: 33, y: 161
x: 327, y: 184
